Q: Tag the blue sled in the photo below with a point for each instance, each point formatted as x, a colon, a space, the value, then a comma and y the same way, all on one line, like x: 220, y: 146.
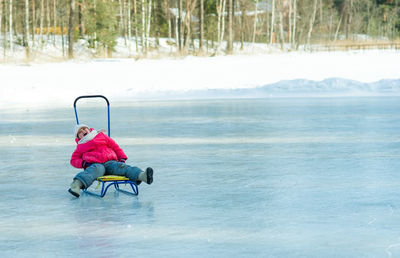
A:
x: 107, y: 182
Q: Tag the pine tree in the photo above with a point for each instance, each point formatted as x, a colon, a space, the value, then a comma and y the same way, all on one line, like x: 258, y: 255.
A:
x: 102, y: 25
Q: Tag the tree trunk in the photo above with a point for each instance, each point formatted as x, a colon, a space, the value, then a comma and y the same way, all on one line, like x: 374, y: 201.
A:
x: 294, y: 23
x: 80, y: 22
x: 26, y: 30
x: 1, y: 18
x: 144, y: 43
x: 148, y: 25
x: 180, y: 24
x: 201, y: 25
x: 290, y: 22
x: 337, y: 29
x: 62, y: 39
x: 177, y: 31
x: 136, y: 24
x: 320, y: 15
x: 229, y: 48
x: 95, y: 44
x: 33, y: 23
x: 54, y: 21
x: 219, y: 10
x: 314, y: 12
x: 282, y: 36
x: 129, y: 23
x: 242, y: 27
x: 190, y: 5
x: 71, y: 29
x: 121, y: 20
x: 1, y: 15
x: 255, y: 23
x: 5, y: 31
x: 41, y: 21
x: 167, y: 12
x: 221, y: 23
x: 272, y: 23
x: 47, y: 21
x: 349, y: 20
x: 124, y: 23
x: 11, y: 25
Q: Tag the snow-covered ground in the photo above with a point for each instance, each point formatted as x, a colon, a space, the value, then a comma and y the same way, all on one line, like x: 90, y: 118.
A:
x: 58, y: 84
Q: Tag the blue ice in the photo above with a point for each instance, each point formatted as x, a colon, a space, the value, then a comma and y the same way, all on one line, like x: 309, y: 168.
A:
x: 300, y: 177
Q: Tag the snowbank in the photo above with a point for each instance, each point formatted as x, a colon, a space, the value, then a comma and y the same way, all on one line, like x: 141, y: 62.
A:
x: 58, y: 84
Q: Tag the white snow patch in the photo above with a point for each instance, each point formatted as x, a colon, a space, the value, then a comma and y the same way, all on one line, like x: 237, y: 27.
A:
x: 58, y: 84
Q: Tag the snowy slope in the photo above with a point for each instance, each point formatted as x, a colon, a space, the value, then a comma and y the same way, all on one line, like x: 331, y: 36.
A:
x: 353, y: 73
x: 331, y: 87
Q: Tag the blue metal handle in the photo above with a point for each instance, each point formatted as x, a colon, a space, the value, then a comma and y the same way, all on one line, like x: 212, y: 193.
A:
x: 94, y: 96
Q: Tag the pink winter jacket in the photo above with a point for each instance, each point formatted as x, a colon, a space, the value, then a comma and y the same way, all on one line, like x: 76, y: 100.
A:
x: 98, y: 150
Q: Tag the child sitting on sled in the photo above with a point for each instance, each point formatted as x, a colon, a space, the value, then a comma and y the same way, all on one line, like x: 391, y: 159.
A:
x: 100, y: 155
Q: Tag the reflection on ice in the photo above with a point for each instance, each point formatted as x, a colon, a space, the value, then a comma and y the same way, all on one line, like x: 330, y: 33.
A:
x: 20, y: 141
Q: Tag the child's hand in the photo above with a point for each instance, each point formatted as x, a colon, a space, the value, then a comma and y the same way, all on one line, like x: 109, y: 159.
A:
x: 103, y: 130
x: 85, y: 164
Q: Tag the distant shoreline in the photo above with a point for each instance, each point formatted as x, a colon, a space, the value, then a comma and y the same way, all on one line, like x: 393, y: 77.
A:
x: 296, y: 74
x: 54, y: 53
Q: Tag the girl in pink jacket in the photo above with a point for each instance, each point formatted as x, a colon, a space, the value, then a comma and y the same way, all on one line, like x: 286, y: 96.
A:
x: 100, y: 155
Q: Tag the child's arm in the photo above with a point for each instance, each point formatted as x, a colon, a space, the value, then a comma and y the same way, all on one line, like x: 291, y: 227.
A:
x: 120, y: 153
x: 76, y: 159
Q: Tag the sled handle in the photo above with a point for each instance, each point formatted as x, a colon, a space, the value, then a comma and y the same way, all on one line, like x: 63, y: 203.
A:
x: 94, y: 96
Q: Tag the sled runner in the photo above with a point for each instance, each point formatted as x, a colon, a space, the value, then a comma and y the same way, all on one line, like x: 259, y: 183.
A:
x: 107, y: 181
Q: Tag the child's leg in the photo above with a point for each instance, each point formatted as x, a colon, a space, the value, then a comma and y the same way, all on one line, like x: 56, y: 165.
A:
x: 89, y: 175
x: 122, y: 169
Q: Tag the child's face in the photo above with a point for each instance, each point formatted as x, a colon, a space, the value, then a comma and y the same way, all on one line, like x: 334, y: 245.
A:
x: 82, y: 132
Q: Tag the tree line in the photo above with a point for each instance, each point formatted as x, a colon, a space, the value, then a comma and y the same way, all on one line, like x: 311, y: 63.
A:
x: 193, y: 26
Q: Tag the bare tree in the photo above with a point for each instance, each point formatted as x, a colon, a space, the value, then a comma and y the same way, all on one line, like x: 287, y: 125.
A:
x: 294, y: 23
x: 221, y: 22
x: 54, y: 21
x: 201, y: 25
x: 312, y: 19
x: 47, y: 21
x: 272, y: 22
x: 229, y: 48
x: 148, y: 24
x: 5, y: 33
x: 144, y: 43
x: 71, y: 28
x: 136, y: 25
x: 180, y: 24
x: 190, y: 5
x: 26, y: 30
x: 41, y: 21
x: 338, y: 27
x: 10, y: 22
x: 121, y: 19
x: 242, y: 23
x: 167, y: 12
x: 1, y: 14
x: 129, y: 23
x: 33, y: 23
x: 255, y: 22
x: 290, y: 22
x: 282, y: 36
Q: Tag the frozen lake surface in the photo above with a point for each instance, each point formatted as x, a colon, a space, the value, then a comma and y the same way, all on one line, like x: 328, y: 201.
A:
x: 295, y: 177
